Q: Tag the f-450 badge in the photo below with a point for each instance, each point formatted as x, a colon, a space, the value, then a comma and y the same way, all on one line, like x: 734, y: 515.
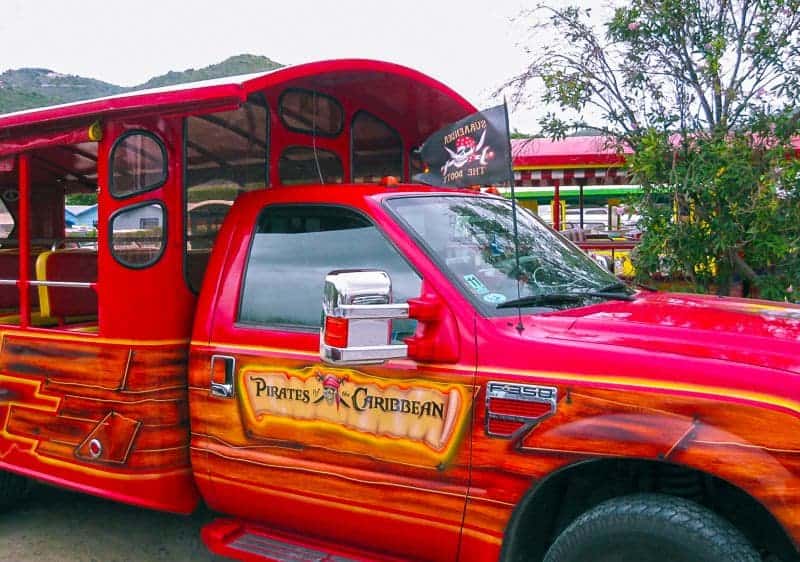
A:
x: 512, y: 409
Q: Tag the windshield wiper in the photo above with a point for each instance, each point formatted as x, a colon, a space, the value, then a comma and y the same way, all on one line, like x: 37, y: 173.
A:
x: 560, y: 298
x: 612, y: 288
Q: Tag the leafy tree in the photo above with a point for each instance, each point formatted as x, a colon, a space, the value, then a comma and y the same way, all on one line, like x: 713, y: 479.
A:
x: 81, y: 199
x: 705, y: 92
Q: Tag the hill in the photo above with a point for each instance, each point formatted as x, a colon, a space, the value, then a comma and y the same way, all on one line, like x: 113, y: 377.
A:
x: 233, y: 66
x: 26, y: 88
x: 32, y: 87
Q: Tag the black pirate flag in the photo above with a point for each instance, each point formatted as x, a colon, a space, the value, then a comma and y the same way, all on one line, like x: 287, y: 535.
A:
x: 473, y: 151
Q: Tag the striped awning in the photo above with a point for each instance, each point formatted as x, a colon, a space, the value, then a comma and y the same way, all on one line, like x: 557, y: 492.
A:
x: 571, y: 176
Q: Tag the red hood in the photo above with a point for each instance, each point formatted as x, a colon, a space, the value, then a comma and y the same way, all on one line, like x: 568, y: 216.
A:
x: 754, y: 332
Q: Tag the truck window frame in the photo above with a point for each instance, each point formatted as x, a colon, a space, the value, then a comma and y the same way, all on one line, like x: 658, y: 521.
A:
x: 298, y: 328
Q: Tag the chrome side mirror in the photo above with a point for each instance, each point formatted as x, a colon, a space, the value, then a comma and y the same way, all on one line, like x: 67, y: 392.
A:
x: 357, y: 328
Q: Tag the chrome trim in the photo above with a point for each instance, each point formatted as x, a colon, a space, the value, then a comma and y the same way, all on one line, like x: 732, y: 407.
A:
x: 355, y: 288
x: 95, y: 448
x: 521, y: 393
x: 223, y: 389
x: 76, y: 284
x: 364, y: 298
x: 384, y: 311
x: 362, y: 355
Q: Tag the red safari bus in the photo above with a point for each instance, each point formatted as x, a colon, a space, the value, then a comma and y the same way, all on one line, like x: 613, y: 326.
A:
x: 272, y: 319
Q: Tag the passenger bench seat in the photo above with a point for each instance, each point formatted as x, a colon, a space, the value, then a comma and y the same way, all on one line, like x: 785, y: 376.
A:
x: 67, y: 303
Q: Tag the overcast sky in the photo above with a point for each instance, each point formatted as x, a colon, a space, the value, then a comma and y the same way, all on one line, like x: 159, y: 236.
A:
x: 470, y: 45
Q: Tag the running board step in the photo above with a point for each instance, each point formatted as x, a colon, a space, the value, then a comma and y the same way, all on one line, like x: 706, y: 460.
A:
x: 242, y: 541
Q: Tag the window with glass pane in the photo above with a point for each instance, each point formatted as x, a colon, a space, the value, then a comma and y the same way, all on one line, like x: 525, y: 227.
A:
x: 377, y: 149
x: 138, y: 164
x: 138, y: 234
x: 307, y: 165
x: 295, y: 247
x: 310, y: 112
x: 226, y: 154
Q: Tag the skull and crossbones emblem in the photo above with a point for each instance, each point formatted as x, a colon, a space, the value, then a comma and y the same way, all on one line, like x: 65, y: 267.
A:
x: 467, y: 150
x: 331, y: 392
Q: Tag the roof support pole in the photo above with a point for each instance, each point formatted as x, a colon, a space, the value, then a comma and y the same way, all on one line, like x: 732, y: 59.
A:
x: 24, y: 223
x: 556, y: 205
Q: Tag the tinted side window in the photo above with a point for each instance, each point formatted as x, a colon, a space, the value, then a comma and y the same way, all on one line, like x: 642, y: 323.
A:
x: 294, y: 247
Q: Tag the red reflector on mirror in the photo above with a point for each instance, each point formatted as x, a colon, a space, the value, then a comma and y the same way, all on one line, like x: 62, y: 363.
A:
x: 336, y: 331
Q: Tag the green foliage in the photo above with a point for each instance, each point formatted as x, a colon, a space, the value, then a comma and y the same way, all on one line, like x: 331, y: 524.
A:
x: 718, y: 209
x: 12, y: 99
x: 81, y: 199
x: 705, y: 93
x: 27, y: 88
x: 233, y: 66
x: 212, y: 192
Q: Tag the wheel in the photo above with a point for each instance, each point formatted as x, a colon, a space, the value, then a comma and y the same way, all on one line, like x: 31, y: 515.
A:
x: 13, y: 489
x: 651, y: 528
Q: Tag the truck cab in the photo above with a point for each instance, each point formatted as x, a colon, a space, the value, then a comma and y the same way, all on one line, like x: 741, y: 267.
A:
x: 352, y: 367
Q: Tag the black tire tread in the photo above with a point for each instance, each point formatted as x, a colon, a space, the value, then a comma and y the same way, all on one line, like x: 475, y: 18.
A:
x: 720, y: 539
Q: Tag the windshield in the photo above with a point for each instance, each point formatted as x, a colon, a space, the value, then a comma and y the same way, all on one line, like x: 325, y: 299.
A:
x: 472, y: 238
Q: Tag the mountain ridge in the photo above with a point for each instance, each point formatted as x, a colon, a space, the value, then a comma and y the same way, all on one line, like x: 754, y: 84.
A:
x: 28, y: 88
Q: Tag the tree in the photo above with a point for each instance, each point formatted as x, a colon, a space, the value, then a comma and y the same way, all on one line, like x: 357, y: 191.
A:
x: 705, y: 93
x: 81, y: 199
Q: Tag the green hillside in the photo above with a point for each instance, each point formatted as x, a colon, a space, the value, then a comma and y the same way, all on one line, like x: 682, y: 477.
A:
x: 26, y: 88
x: 240, y: 64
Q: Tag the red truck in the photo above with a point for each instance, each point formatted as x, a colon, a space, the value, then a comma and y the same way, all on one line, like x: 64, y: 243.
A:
x: 353, y: 368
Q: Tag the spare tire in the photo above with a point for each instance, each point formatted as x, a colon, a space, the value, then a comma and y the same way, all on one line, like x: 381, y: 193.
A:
x: 651, y: 528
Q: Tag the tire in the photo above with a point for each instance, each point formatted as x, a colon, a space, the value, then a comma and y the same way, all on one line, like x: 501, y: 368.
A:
x: 13, y: 489
x: 651, y: 528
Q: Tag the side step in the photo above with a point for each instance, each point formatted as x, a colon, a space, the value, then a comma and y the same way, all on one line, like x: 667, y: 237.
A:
x: 242, y: 541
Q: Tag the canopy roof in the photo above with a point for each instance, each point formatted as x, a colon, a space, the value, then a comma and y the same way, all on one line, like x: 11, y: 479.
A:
x: 575, y: 152
x: 410, y: 95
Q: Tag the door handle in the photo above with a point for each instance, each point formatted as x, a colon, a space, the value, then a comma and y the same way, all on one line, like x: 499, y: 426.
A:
x: 223, y: 389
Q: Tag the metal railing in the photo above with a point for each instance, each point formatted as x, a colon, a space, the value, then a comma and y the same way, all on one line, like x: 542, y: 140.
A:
x: 73, y: 284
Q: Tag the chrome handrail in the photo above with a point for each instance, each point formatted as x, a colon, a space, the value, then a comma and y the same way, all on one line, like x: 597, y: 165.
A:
x: 74, y: 284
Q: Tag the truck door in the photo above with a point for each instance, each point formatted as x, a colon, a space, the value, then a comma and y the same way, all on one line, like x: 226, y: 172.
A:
x: 370, y: 456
